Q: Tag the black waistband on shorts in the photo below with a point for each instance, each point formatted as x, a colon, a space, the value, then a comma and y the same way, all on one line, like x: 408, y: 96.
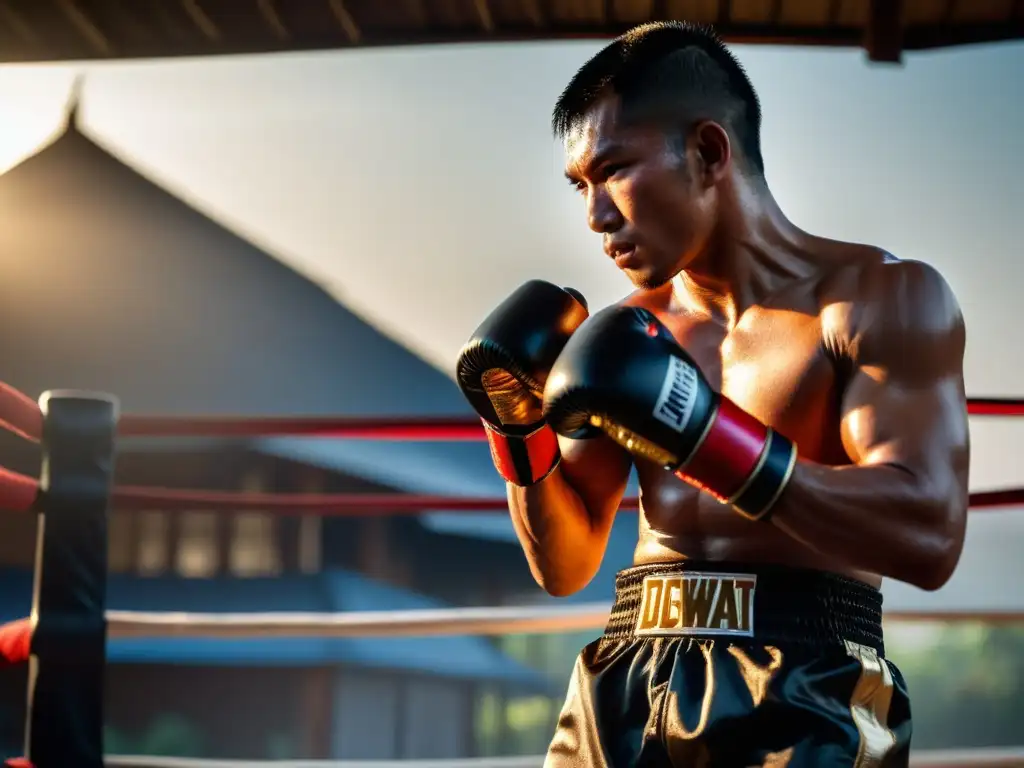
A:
x: 769, y: 605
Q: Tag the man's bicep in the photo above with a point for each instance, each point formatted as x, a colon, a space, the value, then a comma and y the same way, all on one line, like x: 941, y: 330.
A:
x: 912, y: 427
x: 598, y: 470
x: 905, y: 403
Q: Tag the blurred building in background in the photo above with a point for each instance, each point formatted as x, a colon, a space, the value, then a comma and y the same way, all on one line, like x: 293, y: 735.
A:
x: 115, y: 285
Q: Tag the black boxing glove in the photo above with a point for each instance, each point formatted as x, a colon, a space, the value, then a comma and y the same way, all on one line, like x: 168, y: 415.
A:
x: 502, y: 369
x: 624, y: 373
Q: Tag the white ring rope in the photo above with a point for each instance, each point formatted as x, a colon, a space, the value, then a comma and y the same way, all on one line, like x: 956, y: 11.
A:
x: 992, y: 757
x: 414, y: 623
x: 531, y: 761
x: 419, y: 623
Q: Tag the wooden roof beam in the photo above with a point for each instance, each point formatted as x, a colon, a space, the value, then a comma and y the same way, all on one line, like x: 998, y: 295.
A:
x: 418, y: 10
x: 724, y: 12
x: 202, y: 21
x: 268, y: 10
x: 947, y: 12
x: 345, y: 21
x: 14, y: 22
x: 883, y: 34
x: 86, y: 27
x: 535, y: 12
x: 834, y: 7
x: 483, y: 11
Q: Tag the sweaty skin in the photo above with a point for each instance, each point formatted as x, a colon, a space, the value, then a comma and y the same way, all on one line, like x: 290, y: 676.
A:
x: 853, y: 354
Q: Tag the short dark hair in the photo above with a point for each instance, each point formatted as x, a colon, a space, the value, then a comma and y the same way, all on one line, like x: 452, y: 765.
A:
x: 671, y: 69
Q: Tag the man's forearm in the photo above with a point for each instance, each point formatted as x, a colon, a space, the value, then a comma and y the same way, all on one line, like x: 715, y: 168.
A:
x: 557, y: 534
x: 882, y: 519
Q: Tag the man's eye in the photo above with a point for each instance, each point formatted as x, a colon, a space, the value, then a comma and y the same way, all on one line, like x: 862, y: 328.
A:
x: 611, y: 170
x: 579, y: 186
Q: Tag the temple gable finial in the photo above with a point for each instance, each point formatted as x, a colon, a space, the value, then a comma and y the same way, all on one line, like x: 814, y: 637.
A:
x: 72, y: 112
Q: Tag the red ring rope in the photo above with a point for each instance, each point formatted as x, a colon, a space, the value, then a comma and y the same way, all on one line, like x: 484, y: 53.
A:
x: 994, y: 406
x: 353, y: 428
x: 362, y: 428
x: 21, y: 415
x: 15, y: 642
x: 351, y: 504
x: 18, y: 493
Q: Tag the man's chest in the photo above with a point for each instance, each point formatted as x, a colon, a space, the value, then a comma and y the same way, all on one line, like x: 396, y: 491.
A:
x: 774, y: 365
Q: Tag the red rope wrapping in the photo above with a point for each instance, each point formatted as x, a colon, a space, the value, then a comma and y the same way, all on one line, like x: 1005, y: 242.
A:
x: 362, y: 428
x: 362, y: 504
x: 19, y: 413
x: 18, y: 493
x: 994, y: 406
x: 15, y: 642
x: 352, y: 428
x: 22, y: 416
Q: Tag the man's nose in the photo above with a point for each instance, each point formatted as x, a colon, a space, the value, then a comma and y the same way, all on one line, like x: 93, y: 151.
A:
x: 603, y: 215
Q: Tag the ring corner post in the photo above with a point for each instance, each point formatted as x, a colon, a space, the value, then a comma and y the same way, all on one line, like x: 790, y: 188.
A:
x: 64, y: 723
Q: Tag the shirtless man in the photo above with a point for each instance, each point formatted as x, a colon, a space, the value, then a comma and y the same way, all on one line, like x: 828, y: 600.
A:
x: 794, y: 408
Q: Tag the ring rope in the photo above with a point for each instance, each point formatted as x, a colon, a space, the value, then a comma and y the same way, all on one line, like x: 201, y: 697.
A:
x: 15, y: 642
x: 990, y: 757
x: 345, y: 503
x: 431, y: 622
x: 21, y: 415
x: 129, y: 761
x: 18, y: 493
x: 984, y: 757
x: 375, y: 428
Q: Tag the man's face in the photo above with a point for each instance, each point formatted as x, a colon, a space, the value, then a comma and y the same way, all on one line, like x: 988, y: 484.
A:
x: 641, y: 192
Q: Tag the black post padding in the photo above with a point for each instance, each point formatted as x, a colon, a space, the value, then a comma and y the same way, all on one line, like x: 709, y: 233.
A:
x: 64, y: 726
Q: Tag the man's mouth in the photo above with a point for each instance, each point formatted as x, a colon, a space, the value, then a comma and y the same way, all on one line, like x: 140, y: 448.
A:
x: 625, y: 257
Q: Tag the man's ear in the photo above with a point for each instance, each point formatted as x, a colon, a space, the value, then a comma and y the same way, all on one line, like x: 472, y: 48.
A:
x: 713, y: 150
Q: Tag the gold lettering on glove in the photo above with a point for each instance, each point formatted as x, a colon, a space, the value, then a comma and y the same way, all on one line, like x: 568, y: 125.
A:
x: 634, y: 443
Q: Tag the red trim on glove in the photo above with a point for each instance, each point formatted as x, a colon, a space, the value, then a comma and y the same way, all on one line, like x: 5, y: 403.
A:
x: 524, y: 460
x: 728, y: 454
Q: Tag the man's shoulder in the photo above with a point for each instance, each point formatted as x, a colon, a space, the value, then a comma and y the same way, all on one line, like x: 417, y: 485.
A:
x: 876, y: 278
x: 880, y: 295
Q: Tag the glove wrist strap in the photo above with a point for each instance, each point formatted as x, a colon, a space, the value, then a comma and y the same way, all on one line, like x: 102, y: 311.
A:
x: 524, y: 459
x: 741, y: 461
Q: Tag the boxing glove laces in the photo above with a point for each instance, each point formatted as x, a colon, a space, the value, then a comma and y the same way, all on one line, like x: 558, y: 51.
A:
x: 624, y: 373
x: 502, y: 370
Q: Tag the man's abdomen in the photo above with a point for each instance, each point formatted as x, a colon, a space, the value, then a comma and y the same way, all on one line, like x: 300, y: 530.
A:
x: 680, y: 523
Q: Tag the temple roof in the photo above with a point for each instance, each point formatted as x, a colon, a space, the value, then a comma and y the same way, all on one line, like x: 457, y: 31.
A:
x: 54, y: 30
x: 112, y: 283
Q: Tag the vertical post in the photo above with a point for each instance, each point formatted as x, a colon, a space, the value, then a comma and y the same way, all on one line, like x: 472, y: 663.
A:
x: 64, y: 726
x: 883, y: 33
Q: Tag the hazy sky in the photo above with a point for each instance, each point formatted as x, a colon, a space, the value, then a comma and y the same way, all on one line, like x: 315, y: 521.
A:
x: 422, y: 185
